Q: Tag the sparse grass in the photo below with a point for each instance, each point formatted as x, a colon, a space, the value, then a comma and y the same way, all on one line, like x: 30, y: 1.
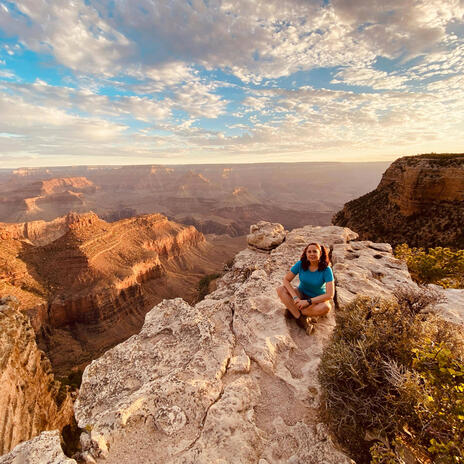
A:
x: 72, y: 380
x: 229, y: 264
x: 440, y: 159
x: 441, y: 156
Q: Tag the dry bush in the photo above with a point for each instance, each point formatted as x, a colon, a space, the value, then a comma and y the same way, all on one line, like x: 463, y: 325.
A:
x: 392, y: 374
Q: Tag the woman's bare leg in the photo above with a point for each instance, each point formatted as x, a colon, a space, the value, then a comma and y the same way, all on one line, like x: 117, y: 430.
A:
x: 318, y: 309
x: 287, y: 300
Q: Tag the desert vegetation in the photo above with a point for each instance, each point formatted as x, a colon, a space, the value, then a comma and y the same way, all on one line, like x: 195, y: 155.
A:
x: 393, y: 381
x: 444, y: 159
x: 441, y: 266
x: 203, y: 285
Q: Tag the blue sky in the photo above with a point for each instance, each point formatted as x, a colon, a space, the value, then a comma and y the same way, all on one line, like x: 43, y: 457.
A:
x: 196, y: 81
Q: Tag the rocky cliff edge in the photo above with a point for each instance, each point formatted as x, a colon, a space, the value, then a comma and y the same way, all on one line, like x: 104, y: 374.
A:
x: 229, y: 380
x: 419, y: 201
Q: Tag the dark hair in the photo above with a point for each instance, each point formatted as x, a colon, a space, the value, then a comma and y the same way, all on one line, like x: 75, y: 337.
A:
x: 324, y: 260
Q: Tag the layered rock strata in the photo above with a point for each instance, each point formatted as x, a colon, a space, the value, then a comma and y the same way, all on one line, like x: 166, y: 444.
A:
x: 214, y: 198
x: 42, y: 232
x: 86, y: 284
x: 30, y: 398
x: 420, y: 201
x: 46, y: 198
x: 229, y: 380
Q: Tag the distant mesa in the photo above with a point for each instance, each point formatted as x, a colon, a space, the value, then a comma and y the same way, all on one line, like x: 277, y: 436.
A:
x: 67, y: 183
x: 420, y: 201
x: 43, y: 199
x: 219, y: 198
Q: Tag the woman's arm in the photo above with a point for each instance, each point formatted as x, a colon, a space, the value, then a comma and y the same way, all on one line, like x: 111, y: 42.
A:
x: 287, y: 279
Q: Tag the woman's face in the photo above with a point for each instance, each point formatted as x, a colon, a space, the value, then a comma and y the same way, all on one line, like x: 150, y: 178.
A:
x: 313, y: 253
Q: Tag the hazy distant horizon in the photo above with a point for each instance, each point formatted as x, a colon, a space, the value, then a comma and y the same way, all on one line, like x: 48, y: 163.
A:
x: 193, y: 164
x: 216, y: 198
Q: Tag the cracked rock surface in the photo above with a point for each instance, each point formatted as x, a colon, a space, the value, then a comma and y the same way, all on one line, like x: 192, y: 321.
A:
x: 229, y: 380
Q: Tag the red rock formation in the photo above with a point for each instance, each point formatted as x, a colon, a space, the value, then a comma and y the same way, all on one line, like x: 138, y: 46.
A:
x: 421, y: 182
x: 420, y: 201
x: 80, y: 184
x: 44, y: 198
x: 205, y: 193
x: 91, y: 286
x: 30, y: 398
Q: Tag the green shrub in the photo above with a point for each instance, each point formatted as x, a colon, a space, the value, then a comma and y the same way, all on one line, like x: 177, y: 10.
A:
x: 392, y: 380
x: 73, y: 380
x: 441, y: 266
x: 203, y: 285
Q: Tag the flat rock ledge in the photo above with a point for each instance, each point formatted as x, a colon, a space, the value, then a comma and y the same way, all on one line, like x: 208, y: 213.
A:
x: 229, y: 380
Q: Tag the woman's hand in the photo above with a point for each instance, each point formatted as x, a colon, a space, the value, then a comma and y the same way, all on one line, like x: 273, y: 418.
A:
x: 301, y: 304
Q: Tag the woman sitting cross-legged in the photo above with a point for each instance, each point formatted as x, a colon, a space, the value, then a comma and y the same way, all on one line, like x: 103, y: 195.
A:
x: 313, y: 297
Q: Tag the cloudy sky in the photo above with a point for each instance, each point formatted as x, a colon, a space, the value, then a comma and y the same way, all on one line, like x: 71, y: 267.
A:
x: 193, y: 81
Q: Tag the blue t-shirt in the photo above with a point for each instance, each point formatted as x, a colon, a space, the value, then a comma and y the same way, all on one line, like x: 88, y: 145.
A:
x: 312, y: 283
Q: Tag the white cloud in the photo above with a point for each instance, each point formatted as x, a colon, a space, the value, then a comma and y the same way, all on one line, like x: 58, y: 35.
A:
x: 153, y: 56
x: 72, y: 31
x: 369, y: 77
x: 252, y: 39
x: 195, y: 98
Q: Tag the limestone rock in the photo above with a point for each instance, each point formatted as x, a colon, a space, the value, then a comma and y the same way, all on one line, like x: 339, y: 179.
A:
x: 175, y: 368
x: 43, y: 449
x: 266, y: 235
x: 452, y: 309
x: 367, y: 268
x: 229, y: 380
x: 239, y: 364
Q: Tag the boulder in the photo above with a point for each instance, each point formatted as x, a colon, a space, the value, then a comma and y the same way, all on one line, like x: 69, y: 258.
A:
x: 266, y: 235
x: 452, y: 306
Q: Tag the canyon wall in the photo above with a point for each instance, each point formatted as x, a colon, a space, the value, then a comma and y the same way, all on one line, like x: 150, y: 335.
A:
x: 420, y: 201
x: 86, y: 284
x: 41, y: 232
x: 418, y: 183
x: 31, y: 400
